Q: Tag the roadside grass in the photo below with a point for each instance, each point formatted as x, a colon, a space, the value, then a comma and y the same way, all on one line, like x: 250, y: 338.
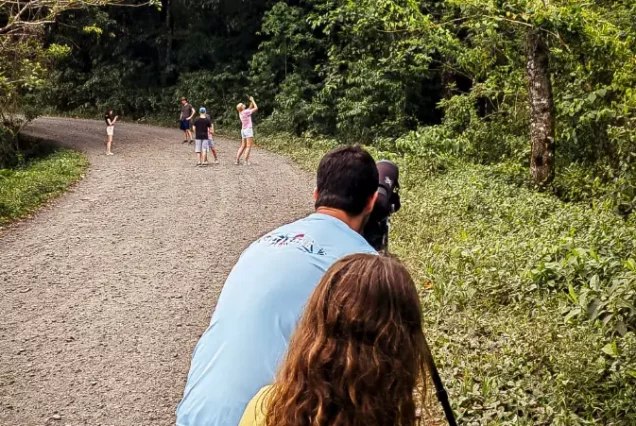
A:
x: 24, y: 188
x: 528, y: 301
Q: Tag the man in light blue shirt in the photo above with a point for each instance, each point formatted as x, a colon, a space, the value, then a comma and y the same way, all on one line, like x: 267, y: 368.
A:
x: 266, y: 291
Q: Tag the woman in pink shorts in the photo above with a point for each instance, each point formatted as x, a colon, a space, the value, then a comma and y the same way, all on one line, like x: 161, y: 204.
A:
x: 247, y: 130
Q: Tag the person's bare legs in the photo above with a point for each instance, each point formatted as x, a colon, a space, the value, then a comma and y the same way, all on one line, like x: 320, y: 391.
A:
x: 250, y: 141
x: 189, y: 136
x: 109, y: 142
x: 241, y: 149
x: 214, y: 154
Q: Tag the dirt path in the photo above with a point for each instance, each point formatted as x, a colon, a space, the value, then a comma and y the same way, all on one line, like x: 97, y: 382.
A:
x: 104, y: 295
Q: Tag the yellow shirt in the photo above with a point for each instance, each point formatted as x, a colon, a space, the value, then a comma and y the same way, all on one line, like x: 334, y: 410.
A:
x: 256, y: 410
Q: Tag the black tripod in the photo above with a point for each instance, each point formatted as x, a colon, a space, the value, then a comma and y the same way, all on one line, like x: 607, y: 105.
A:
x: 440, y: 391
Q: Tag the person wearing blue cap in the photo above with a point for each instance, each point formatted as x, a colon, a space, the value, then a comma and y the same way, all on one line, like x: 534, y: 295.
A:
x: 204, y: 131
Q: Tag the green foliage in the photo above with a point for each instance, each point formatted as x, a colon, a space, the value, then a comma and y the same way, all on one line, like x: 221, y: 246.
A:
x: 25, y: 188
x: 592, y: 51
x: 551, y: 285
x: 283, y: 71
x: 347, y: 68
x: 529, y: 301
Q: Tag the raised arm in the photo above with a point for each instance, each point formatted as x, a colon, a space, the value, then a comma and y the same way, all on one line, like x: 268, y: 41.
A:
x: 253, y: 105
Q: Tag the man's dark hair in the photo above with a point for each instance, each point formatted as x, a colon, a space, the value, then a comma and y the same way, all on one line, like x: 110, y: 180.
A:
x: 347, y: 178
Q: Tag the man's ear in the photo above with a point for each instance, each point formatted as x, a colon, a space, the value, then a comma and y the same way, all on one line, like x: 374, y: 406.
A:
x: 371, y: 203
x: 315, y: 194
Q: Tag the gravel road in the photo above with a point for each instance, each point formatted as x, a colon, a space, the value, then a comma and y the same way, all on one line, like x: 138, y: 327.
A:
x: 104, y: 293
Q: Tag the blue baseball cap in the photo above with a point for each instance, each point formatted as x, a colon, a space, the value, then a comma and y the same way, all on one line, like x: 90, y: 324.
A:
x: 202, y: 110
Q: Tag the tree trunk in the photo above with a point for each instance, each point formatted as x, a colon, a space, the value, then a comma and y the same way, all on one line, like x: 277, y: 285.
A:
x: 541, y: 110
x: 166, y: 72
x: 449, y: 83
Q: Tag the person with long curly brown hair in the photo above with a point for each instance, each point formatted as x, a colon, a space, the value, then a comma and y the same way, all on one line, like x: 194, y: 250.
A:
x: 358, y: 356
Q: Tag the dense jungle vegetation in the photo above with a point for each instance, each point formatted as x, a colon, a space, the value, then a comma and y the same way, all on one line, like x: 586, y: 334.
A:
x: 513, y: 122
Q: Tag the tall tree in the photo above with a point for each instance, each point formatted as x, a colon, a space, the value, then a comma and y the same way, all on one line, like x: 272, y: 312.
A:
x: 167, y: 18
x: 541, y: 109
x: 571, y: 101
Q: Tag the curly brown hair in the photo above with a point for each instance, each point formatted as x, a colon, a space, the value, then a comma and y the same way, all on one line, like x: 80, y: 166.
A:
x: 358, y: 356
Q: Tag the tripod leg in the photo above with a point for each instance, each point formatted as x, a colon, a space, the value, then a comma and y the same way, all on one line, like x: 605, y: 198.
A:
x: 440, y: 391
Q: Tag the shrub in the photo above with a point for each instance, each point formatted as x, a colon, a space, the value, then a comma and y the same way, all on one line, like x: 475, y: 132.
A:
x: 23, y: 189
x: 528, y: 301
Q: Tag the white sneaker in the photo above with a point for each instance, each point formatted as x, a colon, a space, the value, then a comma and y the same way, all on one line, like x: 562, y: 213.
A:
x: 247, y: 163
x: 109, y: 153
x: 216, y: 161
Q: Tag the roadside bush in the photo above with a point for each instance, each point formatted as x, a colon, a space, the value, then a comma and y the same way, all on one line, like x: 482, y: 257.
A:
x: 7, y: 147
x: 15, y: 148
x: 547, y: 289
x: 25, y: 188
x: 528, y: 301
